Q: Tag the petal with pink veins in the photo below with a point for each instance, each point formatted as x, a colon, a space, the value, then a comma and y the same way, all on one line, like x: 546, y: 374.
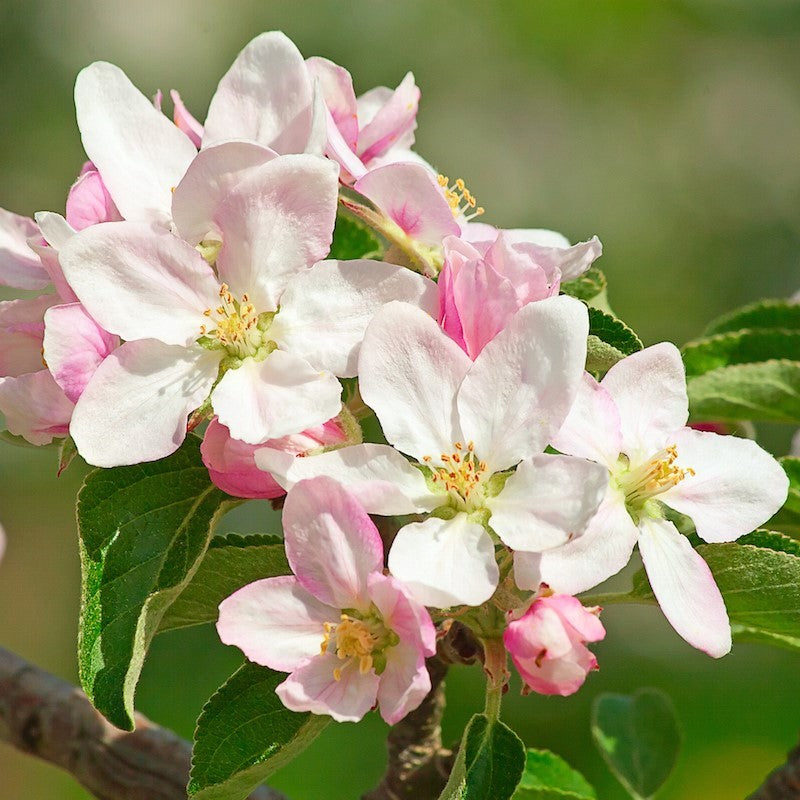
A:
x: 74, y: 347
x: 89, y: 203
x: 135, y: 406
x: 279, y: 395
x: 275, y: 622
x: 337, y: 91
x: 733, y: 487
x: 684, y: 587
x: 392, y: 124
x: 184, y: 119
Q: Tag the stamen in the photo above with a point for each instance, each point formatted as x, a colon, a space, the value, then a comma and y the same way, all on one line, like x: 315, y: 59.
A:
x: 461, y: 201
x: 655, y: 477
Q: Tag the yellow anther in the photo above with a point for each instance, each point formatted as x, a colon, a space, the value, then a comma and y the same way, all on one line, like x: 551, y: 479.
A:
x: 459, y: 198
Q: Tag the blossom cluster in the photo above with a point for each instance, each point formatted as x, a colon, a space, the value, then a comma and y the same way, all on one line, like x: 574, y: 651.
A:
x: 191, y: 292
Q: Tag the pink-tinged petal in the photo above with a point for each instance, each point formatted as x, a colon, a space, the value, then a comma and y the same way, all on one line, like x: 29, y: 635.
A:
x: 135, y: 406
x: 338, y: 149
x: 35, y: 407
x: 275, y: 622
x: 21, y: 333
x: 139, y: 153
x: 89, y: 202
x: 392, y: 124
x: 602, y: 550
x: 482, y: 235
x: 684, y: 587
x: 326, y: 309
x: 74, y: 347
x: 49, y: 261
x: 592, y: 428
x: 547, y: 502
x: 409, y: 373
x: 532, y: 276
x: 208, y: 181
x: 522, y: 385
x: 184, y: 119
x: 404, y: 683
x: 139, y: 282
x: 409, y: 195
x: 19, y: 265
x: 445, y: 562
x: 276, y: 222
x: 312, y: 687
x: 375, y: 474
x: 649, y: 390
x: 401, y: 613
x: 567, y: 262
x: 265, y: 97
x: 735, y: 486
x: 231, y: 465
x: 337, y: 91
x: 280, y: 395
x: 331, y: 543
x: 547, y: 644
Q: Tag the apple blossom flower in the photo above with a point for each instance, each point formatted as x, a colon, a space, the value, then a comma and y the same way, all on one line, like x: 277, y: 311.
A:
x: 375, y: 129
x: 633, y: 423
x: 268, y: 332
x: 467, y: 426
x: 547, y: 644
x: 349, y: 635
x: 231, y: 463
x: 267, y: 97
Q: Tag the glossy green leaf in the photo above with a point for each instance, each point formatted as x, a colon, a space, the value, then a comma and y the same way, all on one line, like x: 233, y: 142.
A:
x: 788, y: 518
x: 740, y: 347
x: 768, y: 391
x: 587, y: 286
x: 490, y: 762
x: 548, y: 777
x: 761, y: 315
x: 244, y: 734
x: 610, y: 340
x: 639, y: 738
x: 143, y: 530
x: 353, y: 239
x: 231, y: 561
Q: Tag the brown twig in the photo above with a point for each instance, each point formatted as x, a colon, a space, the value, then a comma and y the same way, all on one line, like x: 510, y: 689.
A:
x: 49, y: 718
x: 783, y: 783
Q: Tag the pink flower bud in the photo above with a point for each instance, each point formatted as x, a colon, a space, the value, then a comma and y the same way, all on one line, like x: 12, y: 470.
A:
x: 548, y: 644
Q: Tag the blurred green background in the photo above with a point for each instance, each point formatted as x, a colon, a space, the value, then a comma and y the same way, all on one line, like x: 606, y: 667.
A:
x: 670, y: 129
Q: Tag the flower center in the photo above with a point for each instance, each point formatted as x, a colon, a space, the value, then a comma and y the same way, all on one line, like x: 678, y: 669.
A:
x: 653, y: 478
x: 361, y: 639
x: 462, y: 475
x: 234, y: 325
x: 460, y: 199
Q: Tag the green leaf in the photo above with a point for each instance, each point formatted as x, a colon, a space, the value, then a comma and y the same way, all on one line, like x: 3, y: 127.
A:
x: 548, y: 777
x: 741, y: 633
x: 639, y: 738
x: 761, y: 315
x: 244, y: 734
x: 489, y: 764
x: 768, y: 391
x: 740, y: 347
x: 143, y: 531
x: 587, y: 286
x: 788, y: 518
x: 353, y: 239
x: 231, y: 561
x: 610, y: 340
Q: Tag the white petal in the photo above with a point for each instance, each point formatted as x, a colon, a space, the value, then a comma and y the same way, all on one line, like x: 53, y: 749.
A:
x: 602, y: 550
x: 209, y: 179
x: 522, y: 385
x: 139, y: 153
x: 266, y: 97
x: 445, y: 562
x: 21, y: 332
x: 325, y: 310
x: 547, y: 502
x: 409, y: 373
x: 136, y: 404
x: 375, y: 474
x: 19, y: 265
x: 332, y: 545
x: 140, y: 283
x: 56, y: 231
x: 592, y: 427
x: 275, y: 622
x: 649, y: 389
x: 280, y: 395
x: 737, y: 485
x: 34, y: 407
x: 684, y: 587
x: 274, y: 223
